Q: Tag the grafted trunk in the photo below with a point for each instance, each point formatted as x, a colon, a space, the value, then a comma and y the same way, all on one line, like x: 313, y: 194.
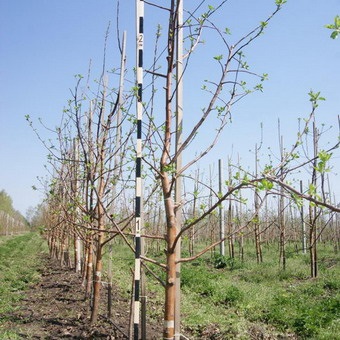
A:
x: 97, y: 280
x: 170, y: 291
x: 259, y: 257
x: 89, y: 267
x: 312, y: 247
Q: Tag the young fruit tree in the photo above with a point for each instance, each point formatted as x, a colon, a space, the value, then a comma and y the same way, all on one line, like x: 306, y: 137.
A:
x: 167, y: 141
x: 172, y: 145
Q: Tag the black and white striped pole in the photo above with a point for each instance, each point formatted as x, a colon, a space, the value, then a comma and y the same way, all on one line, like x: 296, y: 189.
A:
x: 138, y: 203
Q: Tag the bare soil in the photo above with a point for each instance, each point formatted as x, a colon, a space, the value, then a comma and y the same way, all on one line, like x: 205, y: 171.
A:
x: 55, y: 308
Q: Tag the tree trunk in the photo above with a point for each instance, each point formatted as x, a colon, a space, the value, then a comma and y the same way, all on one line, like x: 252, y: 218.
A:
x: 257, y: 233
x: 170, y: 296
x: 282, y: 220
x: 231, y: 237
x: 166, y: 177
x: 312, y: 242
x: 89, y: 268
x: 282, y: 233
x: 97, y: 281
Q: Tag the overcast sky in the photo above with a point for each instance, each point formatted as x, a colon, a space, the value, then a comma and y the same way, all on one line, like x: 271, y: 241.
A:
x: 44, y: 43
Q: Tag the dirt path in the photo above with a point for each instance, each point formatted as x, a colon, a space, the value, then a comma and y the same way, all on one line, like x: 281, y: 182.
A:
x: 55, y: 308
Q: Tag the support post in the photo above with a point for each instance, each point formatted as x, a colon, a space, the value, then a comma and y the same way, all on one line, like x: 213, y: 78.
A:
x: 303, y: 225
x: 221, y: 210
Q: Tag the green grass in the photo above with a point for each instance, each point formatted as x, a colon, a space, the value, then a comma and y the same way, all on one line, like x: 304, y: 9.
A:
x: 19, y: 266
x: 245, y: 296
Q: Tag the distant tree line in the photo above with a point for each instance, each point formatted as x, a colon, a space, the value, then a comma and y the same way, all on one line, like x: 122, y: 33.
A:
x: 11, y: 220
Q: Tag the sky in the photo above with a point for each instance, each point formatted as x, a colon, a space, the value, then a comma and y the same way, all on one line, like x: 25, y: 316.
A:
x: 44, y: 43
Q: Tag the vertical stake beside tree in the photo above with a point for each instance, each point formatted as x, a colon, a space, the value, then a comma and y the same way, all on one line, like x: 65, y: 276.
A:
x: 138, y: 201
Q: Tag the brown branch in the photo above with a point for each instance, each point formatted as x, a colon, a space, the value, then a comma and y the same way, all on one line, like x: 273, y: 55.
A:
x: 309, y: 198
x: 188, y: 259
x: 162, y: 265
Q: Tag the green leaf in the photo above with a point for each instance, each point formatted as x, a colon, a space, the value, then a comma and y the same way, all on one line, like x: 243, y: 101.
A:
x: 258, y: 87
x: 245, y: 65
x: 170, y: 168
x: 335, y: 27
x: 245, y: 180
x: 314, y: 97
x: 237, y: 175
x: 256, y: 220
x: 324, y: 156
x: 311, y: 190
x: 218, y: 57
x: 280, y: 2
x: 337, y: 21
x: 264, y: 77
x: 265, y: 185
x: 227, y: 31
x: 203, y: 206
x: 79, y: 76
x: 334, y: 34
x: 298, y: 200
x: 268, y: 169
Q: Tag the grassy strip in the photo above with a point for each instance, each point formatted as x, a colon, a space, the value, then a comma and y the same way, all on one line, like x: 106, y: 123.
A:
x: 262, y: 297
x: 20, y: 260
x: 244, y: 299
